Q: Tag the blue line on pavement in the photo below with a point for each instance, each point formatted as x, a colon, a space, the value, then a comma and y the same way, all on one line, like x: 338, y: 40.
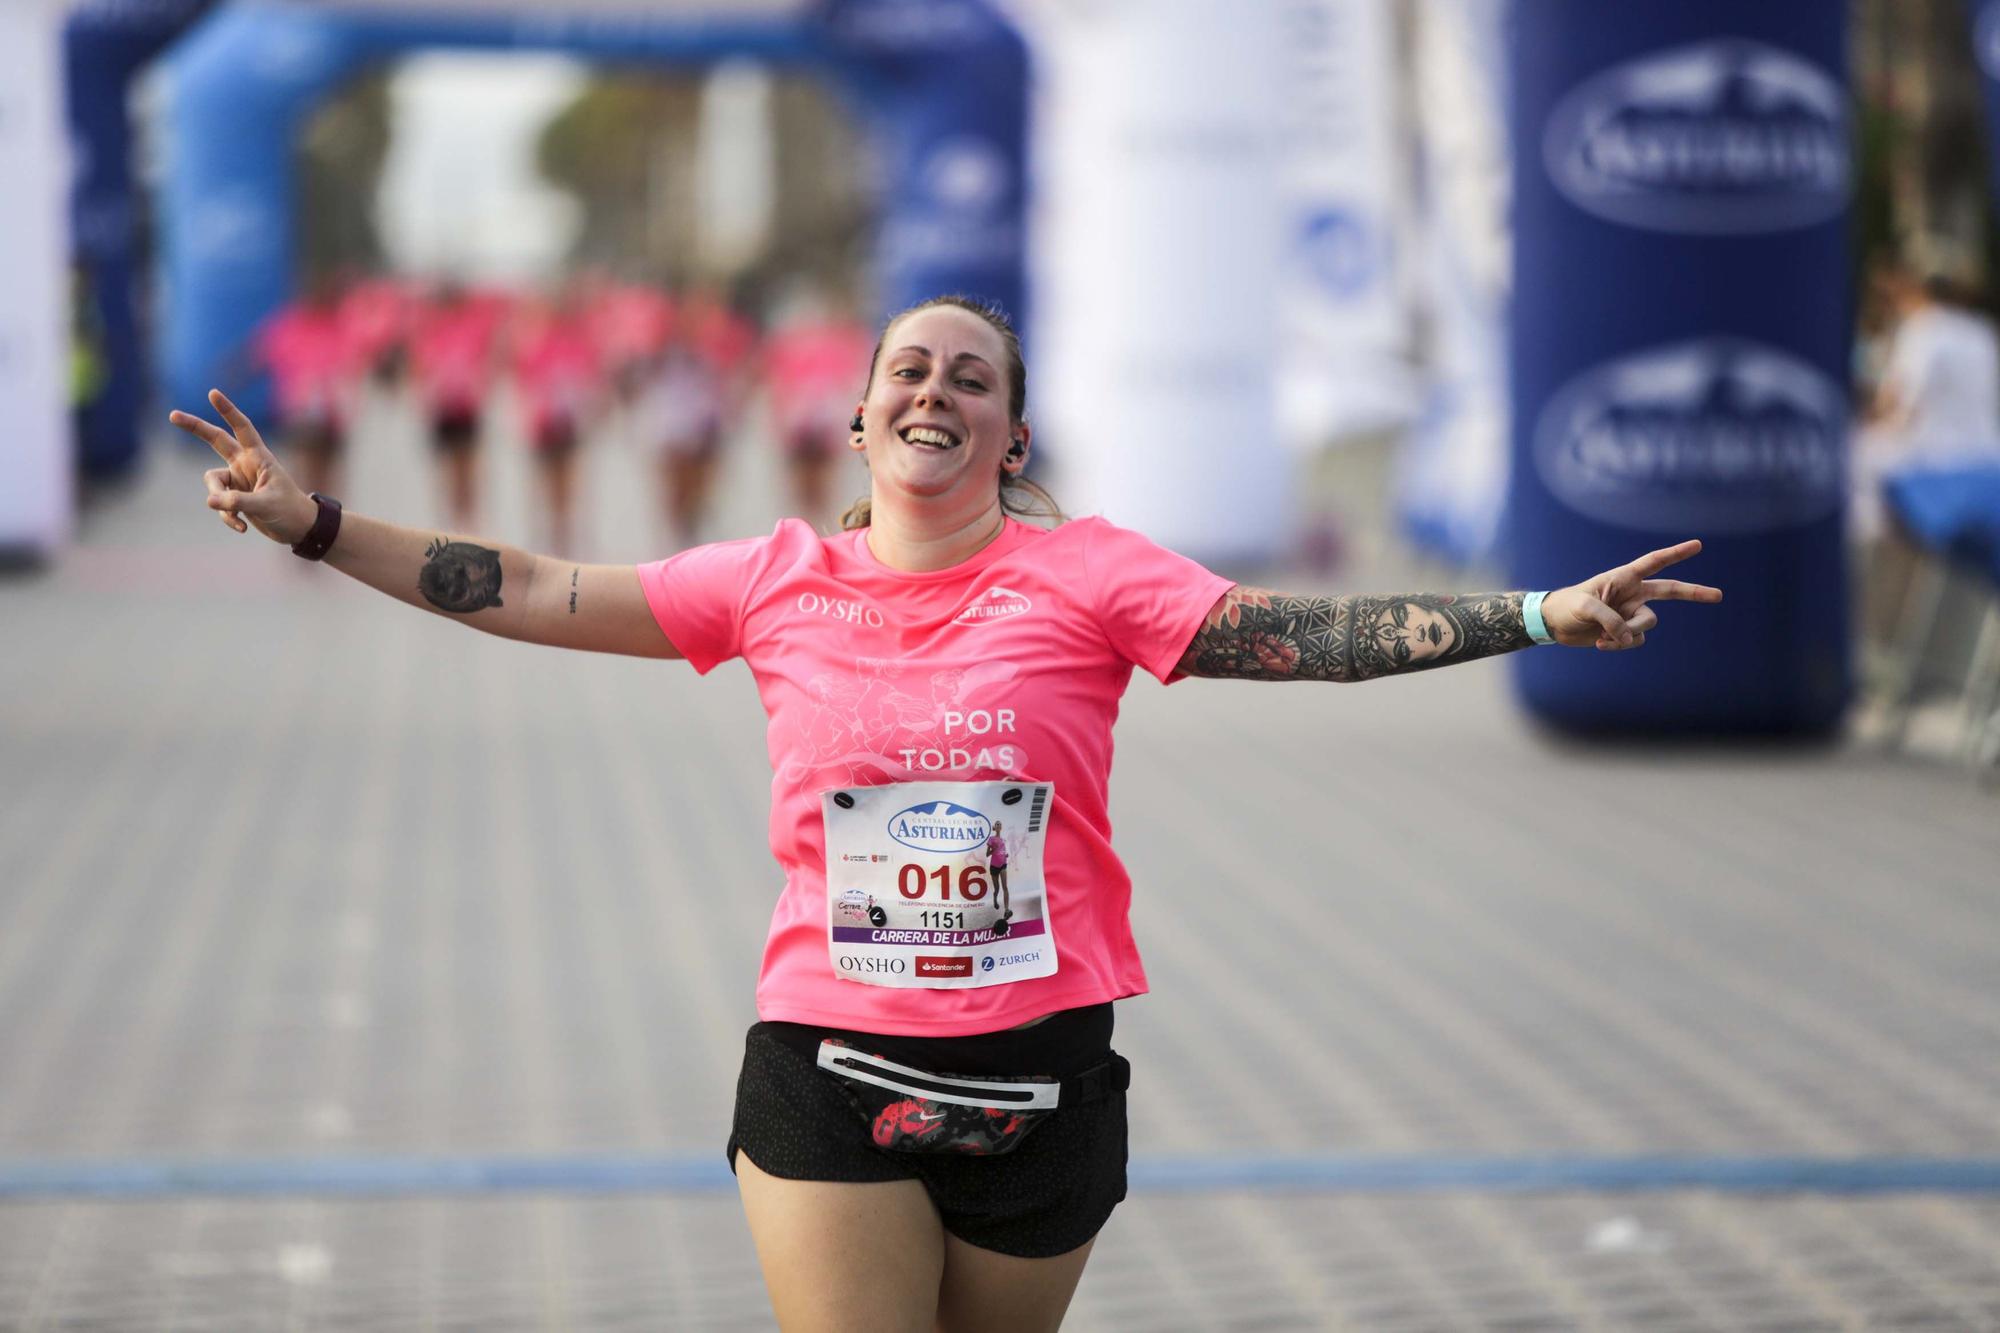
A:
x: 632, y: 1173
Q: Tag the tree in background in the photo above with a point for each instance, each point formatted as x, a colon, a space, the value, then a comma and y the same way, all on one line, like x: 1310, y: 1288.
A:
x: 628, y: 147
x: 1920, y: 152
x: 341, y: 151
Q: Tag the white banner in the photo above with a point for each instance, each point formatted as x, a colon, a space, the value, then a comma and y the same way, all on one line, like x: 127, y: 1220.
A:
x: 1451, y: 484
x: 36, y: 473
x: 1345, y: 365
x: 1156, y: 247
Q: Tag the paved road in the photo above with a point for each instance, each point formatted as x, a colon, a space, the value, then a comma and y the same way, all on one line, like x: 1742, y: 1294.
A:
x: 289, y: 872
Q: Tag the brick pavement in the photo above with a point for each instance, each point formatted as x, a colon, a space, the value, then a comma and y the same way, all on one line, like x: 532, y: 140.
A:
x: 285, y: 868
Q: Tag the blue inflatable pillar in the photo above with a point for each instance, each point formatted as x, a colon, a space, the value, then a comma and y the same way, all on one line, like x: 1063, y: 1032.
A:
x: 1985, y: 16
x: 1680, y: 335
x: 106, y: 43
x: 946, y: 85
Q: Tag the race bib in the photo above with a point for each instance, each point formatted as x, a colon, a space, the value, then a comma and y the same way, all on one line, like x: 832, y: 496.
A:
x: 938, y: 883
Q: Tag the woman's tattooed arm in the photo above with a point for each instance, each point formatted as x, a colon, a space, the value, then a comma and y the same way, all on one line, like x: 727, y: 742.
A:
x: 1257, y: 634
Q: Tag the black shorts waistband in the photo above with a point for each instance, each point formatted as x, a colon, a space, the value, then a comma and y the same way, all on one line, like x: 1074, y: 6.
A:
x: 1065, y: 1043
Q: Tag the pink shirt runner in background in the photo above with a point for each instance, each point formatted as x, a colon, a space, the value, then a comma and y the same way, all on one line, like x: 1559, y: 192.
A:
x: 376, y: 315
x: 721, y: 337
x: 557, y: 368
x: 451, y: 353
x: 313, y: 362
x: 630, y: 322
x: 1010, y: 665
x: 815, y: 374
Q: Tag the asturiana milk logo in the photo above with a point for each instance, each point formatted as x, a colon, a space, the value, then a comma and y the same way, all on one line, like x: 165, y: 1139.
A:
x: 940, y: 827
x: 994, y: 604
x: 1720, y: 434
x: 967, y: 174
x: 1724, y: 136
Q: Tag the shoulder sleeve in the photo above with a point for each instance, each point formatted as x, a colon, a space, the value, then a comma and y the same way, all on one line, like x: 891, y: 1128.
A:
x: 698, y: 596
x: 1149, y: 600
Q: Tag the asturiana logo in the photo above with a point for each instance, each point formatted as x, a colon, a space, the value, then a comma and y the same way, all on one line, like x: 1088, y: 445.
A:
x: 1724, y: 136
x: 994, y: 604
x: 1722, y: 434
x: 940, y: 827
x: 967, y: 174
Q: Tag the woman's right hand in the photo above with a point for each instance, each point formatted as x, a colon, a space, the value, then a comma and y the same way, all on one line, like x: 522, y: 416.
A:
x: 251, y: 490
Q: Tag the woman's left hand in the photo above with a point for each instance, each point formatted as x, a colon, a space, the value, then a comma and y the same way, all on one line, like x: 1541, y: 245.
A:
x: 1610, y: 611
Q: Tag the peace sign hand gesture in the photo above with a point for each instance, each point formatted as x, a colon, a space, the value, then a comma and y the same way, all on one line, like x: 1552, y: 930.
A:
x: 251, y: 490
x: 1610, y: 611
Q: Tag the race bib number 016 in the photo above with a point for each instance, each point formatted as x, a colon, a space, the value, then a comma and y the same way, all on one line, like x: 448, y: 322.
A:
x: 938, y: 883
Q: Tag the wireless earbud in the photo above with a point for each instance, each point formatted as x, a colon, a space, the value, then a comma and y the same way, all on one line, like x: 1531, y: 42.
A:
x: 856, y: 423
x: 1020, y: 448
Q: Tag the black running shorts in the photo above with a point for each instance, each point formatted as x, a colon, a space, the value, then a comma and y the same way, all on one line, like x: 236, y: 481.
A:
x: 1046, y: 1197
x: 455, y: 429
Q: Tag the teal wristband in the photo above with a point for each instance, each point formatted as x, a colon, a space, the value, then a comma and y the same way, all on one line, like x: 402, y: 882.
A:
x: 1531, y: 614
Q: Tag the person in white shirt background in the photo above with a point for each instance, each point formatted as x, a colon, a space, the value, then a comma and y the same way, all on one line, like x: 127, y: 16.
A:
x: 1935, y: 402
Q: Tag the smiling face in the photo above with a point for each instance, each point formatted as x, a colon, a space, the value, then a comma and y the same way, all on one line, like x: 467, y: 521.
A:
x: 936, y: 425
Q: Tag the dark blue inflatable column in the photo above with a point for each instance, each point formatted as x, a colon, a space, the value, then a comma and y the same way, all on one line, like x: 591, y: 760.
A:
x: 105, y: 43
x: 1680, y: 339
x: 945, y: 90
x: 1985, y: 15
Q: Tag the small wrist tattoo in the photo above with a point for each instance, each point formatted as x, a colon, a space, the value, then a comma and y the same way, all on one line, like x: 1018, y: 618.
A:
x: 572, y: 590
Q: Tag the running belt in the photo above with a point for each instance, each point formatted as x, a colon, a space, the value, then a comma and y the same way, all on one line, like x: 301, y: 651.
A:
x: 1089, y: 1086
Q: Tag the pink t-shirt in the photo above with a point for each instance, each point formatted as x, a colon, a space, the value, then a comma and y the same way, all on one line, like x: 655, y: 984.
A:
x: 376, y: 315
x: 556, y: 369
x: 312, y: 361
x: 814, y: 374
x: 872, y: 675
x: 630, y: 323
x: 451, y: 350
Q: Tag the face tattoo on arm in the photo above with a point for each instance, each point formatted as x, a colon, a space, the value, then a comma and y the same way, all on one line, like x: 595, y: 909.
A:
x: 1257, y: 634
x: 460, y: 577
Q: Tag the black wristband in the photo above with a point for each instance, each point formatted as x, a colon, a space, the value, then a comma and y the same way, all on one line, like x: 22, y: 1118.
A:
x: 319, y: 540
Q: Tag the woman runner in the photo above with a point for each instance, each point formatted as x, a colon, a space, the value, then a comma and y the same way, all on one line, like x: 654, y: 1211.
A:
x: 810, y: 363
x: 996, y: 868
x: 452, y: 343
x: 559, y: 376
x: 684, y: 406
x: 314, y: 364
x: 930, y: 1121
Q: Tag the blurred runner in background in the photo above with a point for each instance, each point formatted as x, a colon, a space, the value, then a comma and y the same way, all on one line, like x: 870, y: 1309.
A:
x: 630, y: 322
x: 451, y: 360
x: 812, y: 363
x: 376, y: 312
x: 314, y: 361
x: 559, y: 374
x: 687, y: 405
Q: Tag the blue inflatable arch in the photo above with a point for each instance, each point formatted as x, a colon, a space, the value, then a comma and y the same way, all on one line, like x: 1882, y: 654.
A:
x: 940, y: 88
